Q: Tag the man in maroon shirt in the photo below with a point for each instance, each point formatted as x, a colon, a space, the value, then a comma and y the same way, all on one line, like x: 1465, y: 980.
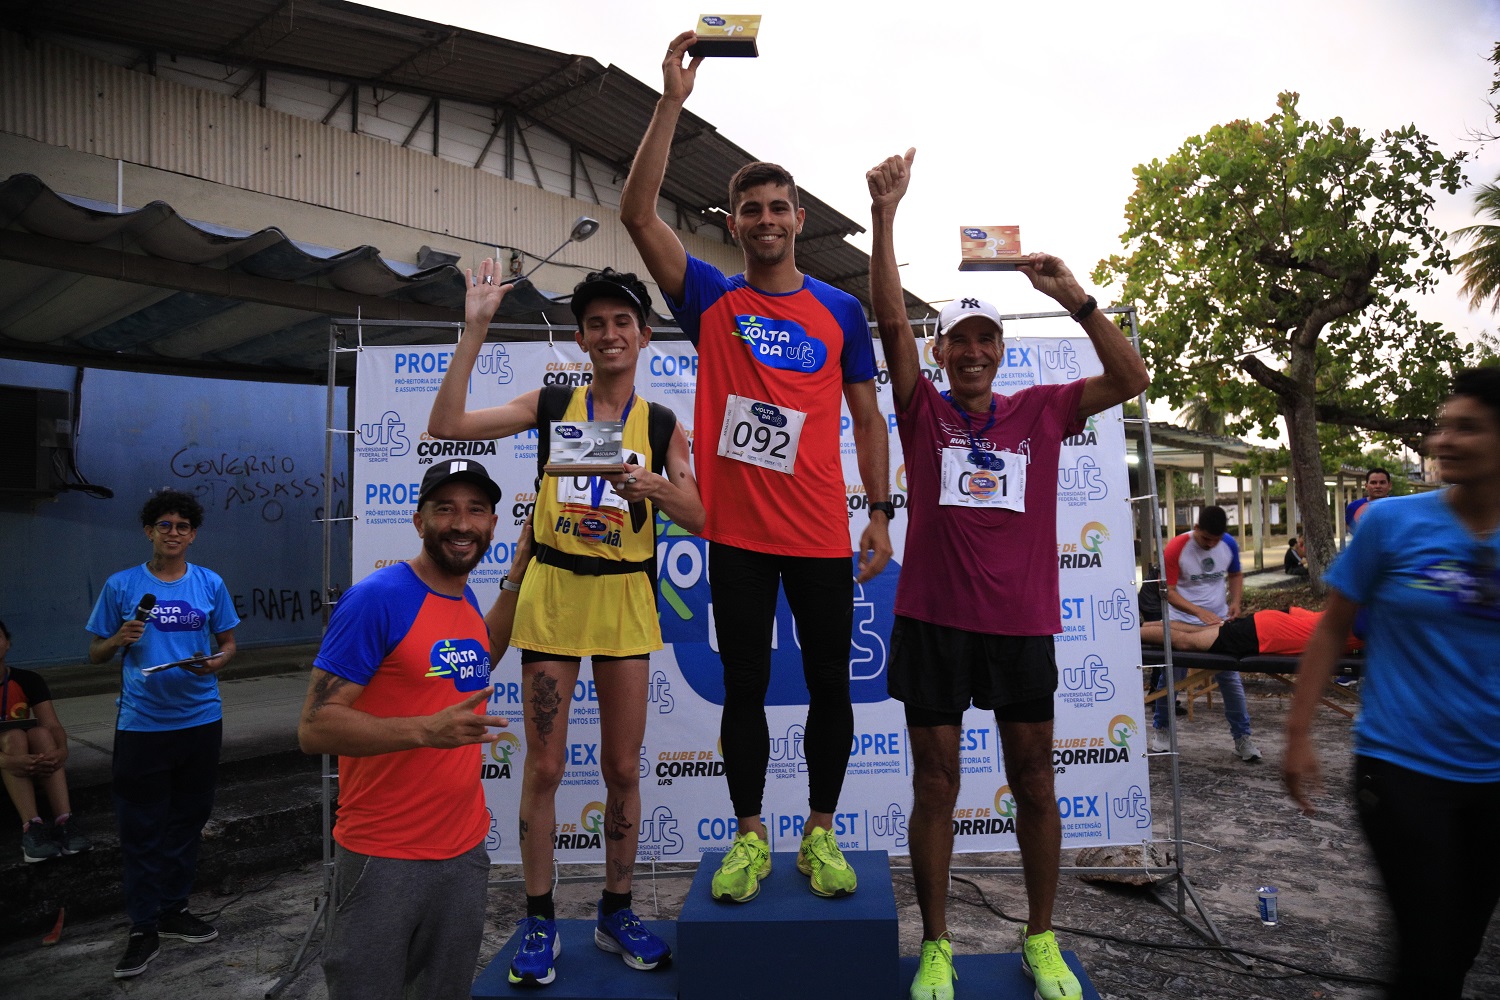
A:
x: 977, y: 602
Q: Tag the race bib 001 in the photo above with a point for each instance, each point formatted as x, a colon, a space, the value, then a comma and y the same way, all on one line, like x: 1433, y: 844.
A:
x: 966, y: 484
x: 760, y: 434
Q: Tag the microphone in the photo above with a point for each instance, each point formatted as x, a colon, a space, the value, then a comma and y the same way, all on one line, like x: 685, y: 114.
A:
x: 143, y: 610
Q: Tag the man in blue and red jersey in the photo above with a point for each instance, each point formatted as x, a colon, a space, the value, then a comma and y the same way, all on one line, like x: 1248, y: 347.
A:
x: 395, y: 690
x: 777, y: 351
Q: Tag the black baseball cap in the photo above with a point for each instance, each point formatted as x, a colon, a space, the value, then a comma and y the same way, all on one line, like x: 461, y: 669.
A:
x: 464, y: 470
x: 612, y: 284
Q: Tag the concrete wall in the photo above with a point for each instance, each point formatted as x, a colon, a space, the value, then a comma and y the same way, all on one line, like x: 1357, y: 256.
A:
x: 252, y: 454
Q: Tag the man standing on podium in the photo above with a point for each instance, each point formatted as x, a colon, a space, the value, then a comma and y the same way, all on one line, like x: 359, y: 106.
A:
x: 977, y: 603
x: 777, y: 350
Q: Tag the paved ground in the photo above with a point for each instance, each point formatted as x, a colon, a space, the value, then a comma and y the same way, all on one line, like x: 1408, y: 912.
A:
x: 1246, y: 834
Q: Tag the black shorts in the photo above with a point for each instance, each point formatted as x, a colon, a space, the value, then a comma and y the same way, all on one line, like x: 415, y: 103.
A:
x: 1237, y: 638
x: 943, y: 670
x: 536, y: 656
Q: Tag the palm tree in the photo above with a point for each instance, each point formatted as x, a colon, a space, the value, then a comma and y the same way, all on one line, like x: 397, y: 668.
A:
x: 1480, y: 264
x: 1201, y: 415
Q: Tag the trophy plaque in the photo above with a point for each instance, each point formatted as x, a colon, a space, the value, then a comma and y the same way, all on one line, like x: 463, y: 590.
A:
x: 585, y: 448
x: 726, y: 35
x: 989, y: 248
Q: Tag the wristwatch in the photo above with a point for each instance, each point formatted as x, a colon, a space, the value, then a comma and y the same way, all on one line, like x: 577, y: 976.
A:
x: 885, y: 507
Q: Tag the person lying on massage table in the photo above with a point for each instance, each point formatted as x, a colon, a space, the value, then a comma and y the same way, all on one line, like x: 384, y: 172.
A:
x: 1265, y: 633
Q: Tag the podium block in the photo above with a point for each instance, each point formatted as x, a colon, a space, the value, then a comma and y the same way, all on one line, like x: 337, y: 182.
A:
x: 995, y: 977
x: 584, y: 971
x: 788, y: 942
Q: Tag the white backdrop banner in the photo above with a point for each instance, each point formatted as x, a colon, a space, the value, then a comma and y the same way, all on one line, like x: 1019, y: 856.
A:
x: 1099, y: 753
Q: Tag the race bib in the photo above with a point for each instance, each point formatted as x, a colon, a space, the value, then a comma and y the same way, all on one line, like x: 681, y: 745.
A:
x: 965, y: 484
x: 760, y: 434
x: 588, y: 491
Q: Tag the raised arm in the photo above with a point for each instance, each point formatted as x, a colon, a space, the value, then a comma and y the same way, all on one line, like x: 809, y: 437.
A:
x: 1124, y: 372
x: 330, y: 724
x: 449, y: 418
x: 887, y: 182
x: 657, y: 242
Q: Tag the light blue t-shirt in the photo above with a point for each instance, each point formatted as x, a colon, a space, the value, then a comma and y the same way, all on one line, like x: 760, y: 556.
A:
x: 1431, y: 694
x: 188, y: 613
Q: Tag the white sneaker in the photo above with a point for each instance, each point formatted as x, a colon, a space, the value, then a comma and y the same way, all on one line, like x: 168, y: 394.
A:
x: 1246, y: 748
x: 1161, y: 741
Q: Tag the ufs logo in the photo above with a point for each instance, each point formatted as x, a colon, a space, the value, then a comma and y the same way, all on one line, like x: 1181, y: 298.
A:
x: 1063, y: 360
x: 389, y: 433
x: 890, y: 823
x: 976, y: 234
x: 1134, y: 804
x: 1087, y: 684
x: 495, y: 362
x: 177, y: 616
x: 502, y: 753
x: 780, y: 343
x: 687, y: 621
x: 787, y: 751
x: 659, y: 693
x: 1118, y: 607
x: 463, y: 661
x: 659, y: 834
x: 1081, y: 482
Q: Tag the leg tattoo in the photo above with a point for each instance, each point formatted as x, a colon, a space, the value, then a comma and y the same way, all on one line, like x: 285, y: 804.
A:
x: 545, y: 702
x: 524, y: 827
x: 615, y: 823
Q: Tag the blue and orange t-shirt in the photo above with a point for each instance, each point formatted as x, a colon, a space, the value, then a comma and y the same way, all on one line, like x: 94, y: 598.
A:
x: 788, y: 351
x: 416, y: 652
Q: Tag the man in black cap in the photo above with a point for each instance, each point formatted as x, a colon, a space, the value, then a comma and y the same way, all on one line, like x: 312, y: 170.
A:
x: 396, y: 691
x: 590, y: 592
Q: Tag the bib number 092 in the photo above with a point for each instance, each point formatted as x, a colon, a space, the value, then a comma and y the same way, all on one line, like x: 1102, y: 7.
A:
x: 761, y: 439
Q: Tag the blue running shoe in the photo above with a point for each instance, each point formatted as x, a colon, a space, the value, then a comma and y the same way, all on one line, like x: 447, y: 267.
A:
x: 540, y: 944
x: 623, y: 933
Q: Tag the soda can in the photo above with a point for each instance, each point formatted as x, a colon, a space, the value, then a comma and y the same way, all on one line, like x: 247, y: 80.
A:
x: 1267, y: 901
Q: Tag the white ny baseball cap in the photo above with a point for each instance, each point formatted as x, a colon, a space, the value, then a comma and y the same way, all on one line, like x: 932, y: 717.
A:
x: 963, y: 308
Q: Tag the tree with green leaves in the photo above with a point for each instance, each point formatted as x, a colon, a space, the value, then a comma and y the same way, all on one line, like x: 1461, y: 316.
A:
x: 1480, y: 264
x: 1271, y: 262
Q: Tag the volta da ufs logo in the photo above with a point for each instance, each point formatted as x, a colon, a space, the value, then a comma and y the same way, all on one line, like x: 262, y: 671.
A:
x: 687, y: 616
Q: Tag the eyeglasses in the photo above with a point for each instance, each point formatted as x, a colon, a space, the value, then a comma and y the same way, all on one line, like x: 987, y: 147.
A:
x: 173, y: 527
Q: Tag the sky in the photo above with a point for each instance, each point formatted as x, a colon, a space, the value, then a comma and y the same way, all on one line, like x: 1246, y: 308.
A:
x: 1035, y: 114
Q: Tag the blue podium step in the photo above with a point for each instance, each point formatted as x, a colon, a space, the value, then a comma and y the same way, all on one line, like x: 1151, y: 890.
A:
x: 995, y: 977
x: 584, y: 971
x: 786, y: 941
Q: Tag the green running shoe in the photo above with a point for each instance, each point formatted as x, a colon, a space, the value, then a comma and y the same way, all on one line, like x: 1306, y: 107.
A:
x: 1042, y: 960
x: 739, y: 874
x: 935, y: 973
x: 821, y: 859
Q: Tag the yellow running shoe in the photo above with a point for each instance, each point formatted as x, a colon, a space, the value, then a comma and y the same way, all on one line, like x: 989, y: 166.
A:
x: 935, y: 973
x: 1042, y: 960
x: 739, y: 874
x: 821, y: 859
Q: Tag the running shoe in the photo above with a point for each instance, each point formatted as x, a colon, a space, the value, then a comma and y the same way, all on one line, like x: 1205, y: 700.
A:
x: 37, y: 842
x: 1042, y: 960
x: 71, y: 836
x: 1161, y: 742
x: 540, y: 944
x: 623, y: 933
x: 935, y: 973
x: 1246, y: 748
x: 739, y: 874
x: 821, y: 860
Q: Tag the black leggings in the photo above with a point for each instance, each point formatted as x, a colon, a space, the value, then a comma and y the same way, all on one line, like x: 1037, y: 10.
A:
x: 820, y: 592
x: 1427, y: 837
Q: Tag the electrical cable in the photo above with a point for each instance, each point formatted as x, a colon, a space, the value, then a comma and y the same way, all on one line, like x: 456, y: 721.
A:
x: 1297, y: 970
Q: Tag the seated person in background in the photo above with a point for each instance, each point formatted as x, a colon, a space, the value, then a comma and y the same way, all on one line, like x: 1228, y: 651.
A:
x: 32, y: 756
x: 1295, y: 563
x: 1265, y: 633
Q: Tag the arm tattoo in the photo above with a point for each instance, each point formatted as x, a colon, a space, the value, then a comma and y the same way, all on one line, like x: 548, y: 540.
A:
x: 615, y: 823
x: 524, y: 827
x: 544, y: 705
x: 323, y: 689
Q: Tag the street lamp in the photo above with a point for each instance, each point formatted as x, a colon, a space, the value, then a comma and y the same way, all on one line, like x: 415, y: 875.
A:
x: 583, y: 228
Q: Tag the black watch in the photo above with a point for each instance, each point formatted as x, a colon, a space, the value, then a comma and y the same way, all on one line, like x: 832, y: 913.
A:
x: 885, y: 507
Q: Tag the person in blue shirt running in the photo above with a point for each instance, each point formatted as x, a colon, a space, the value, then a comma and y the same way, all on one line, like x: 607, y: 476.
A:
x: 1427, y: 741
x: 170, y: 723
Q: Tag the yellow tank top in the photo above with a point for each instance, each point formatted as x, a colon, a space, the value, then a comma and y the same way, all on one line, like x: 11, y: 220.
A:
x: 570, y: 614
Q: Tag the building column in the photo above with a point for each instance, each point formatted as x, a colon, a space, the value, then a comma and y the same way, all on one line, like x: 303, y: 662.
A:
x: 1257, y: 500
